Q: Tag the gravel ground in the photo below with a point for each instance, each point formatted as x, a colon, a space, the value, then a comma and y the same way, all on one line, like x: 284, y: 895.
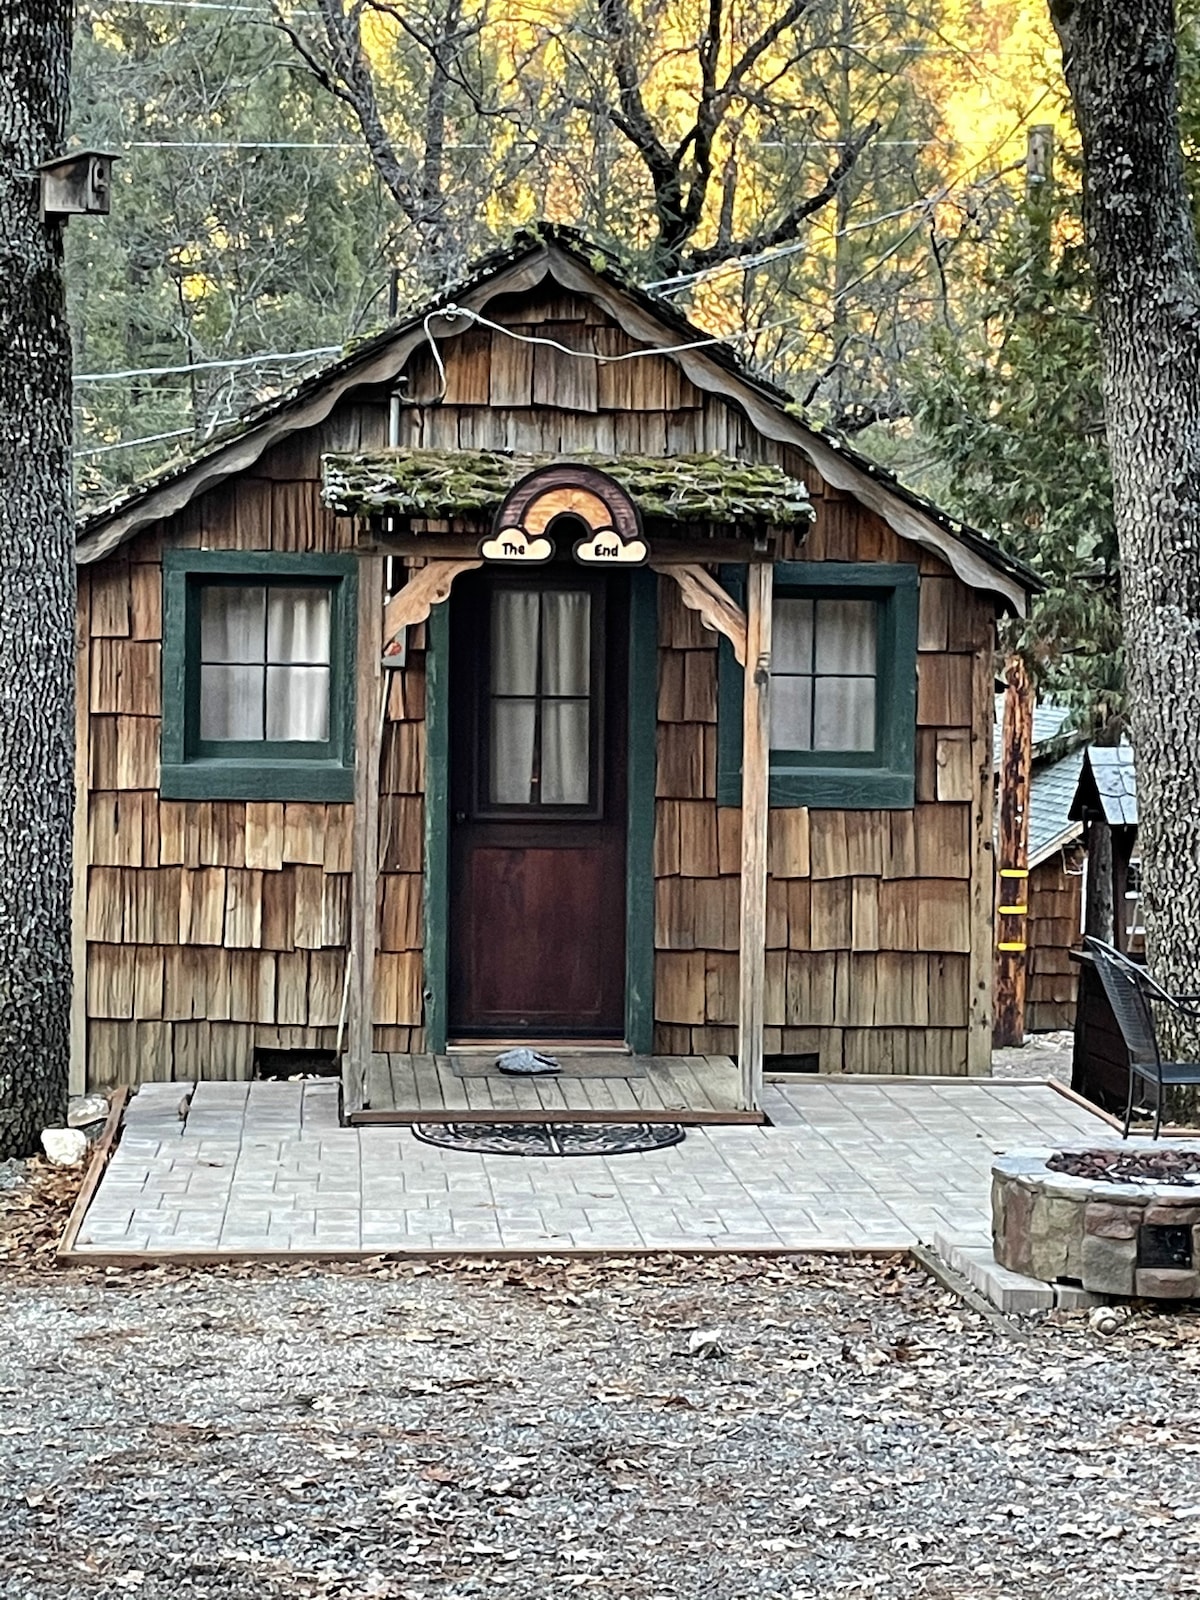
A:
x: 538, y: 1429
x: 1043, y: 1055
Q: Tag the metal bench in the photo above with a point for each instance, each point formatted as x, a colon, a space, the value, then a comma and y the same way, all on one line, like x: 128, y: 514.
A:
x: 1133, y: 993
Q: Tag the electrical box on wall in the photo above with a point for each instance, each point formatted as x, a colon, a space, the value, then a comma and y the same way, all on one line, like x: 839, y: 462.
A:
x: 77, y: 185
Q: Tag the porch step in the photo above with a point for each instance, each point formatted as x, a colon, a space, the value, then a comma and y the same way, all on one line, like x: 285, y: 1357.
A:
x: 693, y: 1090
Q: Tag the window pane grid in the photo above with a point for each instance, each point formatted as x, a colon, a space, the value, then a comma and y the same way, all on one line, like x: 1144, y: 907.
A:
x: 265, y: 663
x: 823, y: 679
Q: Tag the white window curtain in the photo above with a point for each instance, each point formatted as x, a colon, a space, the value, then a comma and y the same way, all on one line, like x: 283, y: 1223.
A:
x: 264, y: 662
x: 823, y: 674
x: 540, y: 680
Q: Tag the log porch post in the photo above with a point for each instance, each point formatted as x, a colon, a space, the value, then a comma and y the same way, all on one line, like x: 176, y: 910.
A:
x: 368, y: 738
x: 756, y: 738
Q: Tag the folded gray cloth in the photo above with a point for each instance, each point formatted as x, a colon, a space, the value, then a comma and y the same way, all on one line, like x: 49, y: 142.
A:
x: 526, y: 1063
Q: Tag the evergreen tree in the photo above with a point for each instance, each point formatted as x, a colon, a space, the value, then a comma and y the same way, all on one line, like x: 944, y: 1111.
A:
x: 1014, y: 415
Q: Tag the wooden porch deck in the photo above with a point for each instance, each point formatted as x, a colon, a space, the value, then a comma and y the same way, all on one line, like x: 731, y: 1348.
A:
x: 592, y: 1087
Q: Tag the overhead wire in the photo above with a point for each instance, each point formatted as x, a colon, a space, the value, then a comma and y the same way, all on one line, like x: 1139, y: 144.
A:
x: 206, y: 366
x: 130, y: 444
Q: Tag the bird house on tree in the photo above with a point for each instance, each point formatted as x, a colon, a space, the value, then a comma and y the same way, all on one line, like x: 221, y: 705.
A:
x: 77, y: 185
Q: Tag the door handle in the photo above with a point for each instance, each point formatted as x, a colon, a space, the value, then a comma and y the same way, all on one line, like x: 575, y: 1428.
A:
x: 460, y: 816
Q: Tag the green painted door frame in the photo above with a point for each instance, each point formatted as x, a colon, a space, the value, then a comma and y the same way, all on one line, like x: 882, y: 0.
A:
x: 639, y: 842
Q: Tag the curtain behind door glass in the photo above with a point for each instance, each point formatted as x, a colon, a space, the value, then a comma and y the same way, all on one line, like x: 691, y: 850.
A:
x: 566, y: 670
x: 514, y: 675
x: 540, y: 683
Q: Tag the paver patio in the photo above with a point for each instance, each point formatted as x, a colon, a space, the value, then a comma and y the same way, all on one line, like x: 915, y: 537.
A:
x: 844, y: 1163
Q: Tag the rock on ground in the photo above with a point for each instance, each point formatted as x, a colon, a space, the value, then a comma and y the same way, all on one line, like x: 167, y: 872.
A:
x: 538, y: 1430
x: 65, y: 1147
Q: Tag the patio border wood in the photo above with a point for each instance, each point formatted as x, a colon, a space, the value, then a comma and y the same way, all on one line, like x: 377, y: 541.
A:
x: 101, y: 1152
x: 222, y: 1258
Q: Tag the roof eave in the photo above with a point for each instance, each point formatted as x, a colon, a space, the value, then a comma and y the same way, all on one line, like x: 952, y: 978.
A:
x: 713, y: 368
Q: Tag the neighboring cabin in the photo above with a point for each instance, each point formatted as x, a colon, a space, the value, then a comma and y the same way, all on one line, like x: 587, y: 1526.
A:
x: 527, y: 822
x: 1056, y: 870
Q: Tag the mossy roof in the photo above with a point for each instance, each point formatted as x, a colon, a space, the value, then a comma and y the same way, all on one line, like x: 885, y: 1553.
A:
x: 450, y: 483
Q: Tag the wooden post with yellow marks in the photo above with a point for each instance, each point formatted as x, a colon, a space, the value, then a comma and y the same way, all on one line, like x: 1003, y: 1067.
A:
x: 1012, y: 854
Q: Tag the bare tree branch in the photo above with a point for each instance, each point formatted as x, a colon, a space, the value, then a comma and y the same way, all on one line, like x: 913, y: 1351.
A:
x: 788, y: 227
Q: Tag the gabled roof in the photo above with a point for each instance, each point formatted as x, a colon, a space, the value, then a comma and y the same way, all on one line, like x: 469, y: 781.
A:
x: 576, y: 266
x: 1108, y: 786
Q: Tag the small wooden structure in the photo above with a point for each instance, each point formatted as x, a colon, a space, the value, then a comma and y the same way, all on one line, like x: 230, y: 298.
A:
x: 534, y: 673
x: 1105, y: 805
x: 1052, y: 892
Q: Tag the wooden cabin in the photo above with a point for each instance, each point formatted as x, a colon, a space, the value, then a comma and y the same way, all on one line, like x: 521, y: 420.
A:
x: 534, y: 672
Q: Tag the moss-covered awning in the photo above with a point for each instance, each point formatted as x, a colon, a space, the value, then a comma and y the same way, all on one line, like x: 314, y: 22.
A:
x: 458, y: 483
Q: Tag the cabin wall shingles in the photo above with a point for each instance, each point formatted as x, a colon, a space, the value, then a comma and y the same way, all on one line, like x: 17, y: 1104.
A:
x: 1055, y: 921
x: 869, y: 913
x: 213, y: 927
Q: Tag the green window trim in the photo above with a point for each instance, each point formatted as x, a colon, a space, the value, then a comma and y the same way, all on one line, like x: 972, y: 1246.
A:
x: 855, y: 781
x: 255, y: 770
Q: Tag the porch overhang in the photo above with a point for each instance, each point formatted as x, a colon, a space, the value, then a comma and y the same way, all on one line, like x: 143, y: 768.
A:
x: 440, y: 485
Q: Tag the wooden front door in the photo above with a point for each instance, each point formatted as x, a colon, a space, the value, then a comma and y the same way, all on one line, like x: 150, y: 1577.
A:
x: 538, y: 692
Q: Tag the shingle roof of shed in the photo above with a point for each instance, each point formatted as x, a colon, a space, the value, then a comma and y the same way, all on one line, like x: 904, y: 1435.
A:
x: 1109, y: 779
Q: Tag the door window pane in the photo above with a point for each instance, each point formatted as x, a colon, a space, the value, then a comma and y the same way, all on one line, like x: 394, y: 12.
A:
x: 515, y: 632
x: 823, y: 674
x: 539, y: 693
x: 514, y: 726
x: 566, y: 648
x: 565, y: 752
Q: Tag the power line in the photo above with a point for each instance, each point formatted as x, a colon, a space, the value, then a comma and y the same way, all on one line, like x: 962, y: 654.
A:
x: 206, y: 366
x: 256, y: 13
x: 130, y: 444
x: 241, y: 144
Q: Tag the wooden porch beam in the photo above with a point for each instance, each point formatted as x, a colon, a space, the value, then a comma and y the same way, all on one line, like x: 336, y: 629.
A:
x: 756, y: 738
x: 701, y: 592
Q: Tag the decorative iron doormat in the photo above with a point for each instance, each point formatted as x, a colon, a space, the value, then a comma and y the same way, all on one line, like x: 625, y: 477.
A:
x: 550, y: 1138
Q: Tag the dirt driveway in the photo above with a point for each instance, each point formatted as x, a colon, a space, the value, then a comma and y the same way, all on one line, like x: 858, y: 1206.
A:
x: 540, y: 1430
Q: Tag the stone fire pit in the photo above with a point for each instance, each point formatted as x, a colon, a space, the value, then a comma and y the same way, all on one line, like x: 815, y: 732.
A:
x: 1120, y: 1219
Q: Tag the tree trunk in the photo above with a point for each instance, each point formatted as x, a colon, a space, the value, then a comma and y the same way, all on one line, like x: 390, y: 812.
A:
x: 1012, y: 850
x: 1100, y: 908
x: 1120, y: 64
x: 37, y: 593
